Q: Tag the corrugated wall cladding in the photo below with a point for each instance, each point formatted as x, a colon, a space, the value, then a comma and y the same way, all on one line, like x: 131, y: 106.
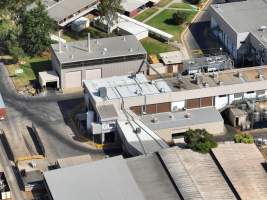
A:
x: 206, y: 101
x: 122, y: 68
x: 192, y: 103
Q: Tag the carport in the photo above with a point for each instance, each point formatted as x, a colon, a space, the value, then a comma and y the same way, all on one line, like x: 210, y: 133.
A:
x: 48, y: 77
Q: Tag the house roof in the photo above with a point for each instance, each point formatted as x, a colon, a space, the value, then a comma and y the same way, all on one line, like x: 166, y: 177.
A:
x: 64, y: 8
x: 99, y: 49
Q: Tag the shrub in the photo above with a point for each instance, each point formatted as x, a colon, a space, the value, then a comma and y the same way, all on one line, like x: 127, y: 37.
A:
x: 199, y: 140
x: 243, y: 138
x: 179, y: 17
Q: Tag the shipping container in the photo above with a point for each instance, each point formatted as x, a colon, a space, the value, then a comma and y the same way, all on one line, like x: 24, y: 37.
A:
x: 2, y: 108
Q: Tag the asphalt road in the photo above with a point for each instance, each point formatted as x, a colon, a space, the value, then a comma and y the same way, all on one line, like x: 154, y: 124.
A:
x: 199, y: 36
x: 47, y: 115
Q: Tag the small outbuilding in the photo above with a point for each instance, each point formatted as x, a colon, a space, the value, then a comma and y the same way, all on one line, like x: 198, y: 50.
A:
x: 173, y: 60
x: 48, y: 79
x: 80, y: 24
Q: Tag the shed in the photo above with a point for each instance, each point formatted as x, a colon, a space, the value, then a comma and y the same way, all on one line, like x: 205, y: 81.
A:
x: 237, y: 117
x: 173, y: 60
x: 47, y: 77
x: 80, y: 24
x: 128, y: 27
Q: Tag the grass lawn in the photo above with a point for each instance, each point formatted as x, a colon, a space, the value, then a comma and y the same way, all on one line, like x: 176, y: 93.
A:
x: 145, y: 14
x: 163, y: 21
x: 181, y: 5
x: 154, y: 46
x: 163, y: 3
x: 31, y: 68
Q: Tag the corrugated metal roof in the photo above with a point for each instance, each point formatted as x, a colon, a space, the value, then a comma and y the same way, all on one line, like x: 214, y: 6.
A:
x: 196, y: 175
x: 100, y: 49
x: 242, y: 164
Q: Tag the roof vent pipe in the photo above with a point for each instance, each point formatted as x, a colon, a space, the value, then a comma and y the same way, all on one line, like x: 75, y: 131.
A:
x: 89, y: 43
x: 59, y: 42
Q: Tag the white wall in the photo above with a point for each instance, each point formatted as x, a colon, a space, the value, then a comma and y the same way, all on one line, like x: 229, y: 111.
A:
x: 179, y: 105
x: 221, y: 101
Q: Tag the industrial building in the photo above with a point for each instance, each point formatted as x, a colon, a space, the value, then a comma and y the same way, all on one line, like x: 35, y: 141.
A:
x: 168, y: 107
x: 242, y: 28
x: 243, y: 164
x: 97, y: 58
x: 171, y: 174
x: 67, y: 11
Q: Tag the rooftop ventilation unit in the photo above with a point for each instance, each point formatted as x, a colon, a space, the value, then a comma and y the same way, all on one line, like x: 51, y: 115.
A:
x: 220, y: 83
x: 137, y: 130
x: 261, y: 76
x: 262, y: 28
x: 154, y: 120
x: 102, y: 92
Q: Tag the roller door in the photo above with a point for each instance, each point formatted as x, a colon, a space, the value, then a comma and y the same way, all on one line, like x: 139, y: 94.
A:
x: 193, y: 103
x: 207, y: 101
x: 73, y: 79
x: 163, y: 107
x: 137, y: 109
x: 92, y: 74
x: 150, y: 109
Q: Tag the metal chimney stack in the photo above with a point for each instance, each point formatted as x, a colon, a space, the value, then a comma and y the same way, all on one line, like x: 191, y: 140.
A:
x: 59, y: 42
x: 89, y: 42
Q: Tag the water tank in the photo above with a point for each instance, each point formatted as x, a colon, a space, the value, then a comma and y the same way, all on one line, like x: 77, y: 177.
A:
x: 90, y: 119
x: 256, y: 116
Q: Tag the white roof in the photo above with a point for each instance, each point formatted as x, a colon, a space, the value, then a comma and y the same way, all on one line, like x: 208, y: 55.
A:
x: 131, y: 5
x: 127, y: 86
x: 173, y: 57
x: 144, y: 142
x: 131, y: 27
x: 48, y: 76
x: 150, y: 28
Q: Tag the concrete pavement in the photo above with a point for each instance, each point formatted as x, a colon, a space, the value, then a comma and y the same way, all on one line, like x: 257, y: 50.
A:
x: 16, y: 193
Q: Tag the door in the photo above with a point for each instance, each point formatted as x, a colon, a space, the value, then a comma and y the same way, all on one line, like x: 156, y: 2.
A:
x: 92, y: 74
x: 73, y: 79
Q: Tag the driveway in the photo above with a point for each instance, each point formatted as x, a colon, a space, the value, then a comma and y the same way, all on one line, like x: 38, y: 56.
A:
x: 45, y: 113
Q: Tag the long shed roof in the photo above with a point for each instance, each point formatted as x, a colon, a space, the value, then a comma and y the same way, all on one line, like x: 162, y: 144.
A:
x: 243, y: 165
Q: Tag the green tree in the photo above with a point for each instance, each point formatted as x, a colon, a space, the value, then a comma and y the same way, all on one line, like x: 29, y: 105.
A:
x: 179, y: 17
x: 195, y: 2
x: 199, y: 140
x: 35, y: 28
x: 243, y: 138
x: 109, y: 10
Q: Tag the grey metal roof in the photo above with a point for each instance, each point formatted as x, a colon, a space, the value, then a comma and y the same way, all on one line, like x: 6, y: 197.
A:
x: 180, y: 119
x: 106, y: 179
x: 107, y: 112
x: 152, y: 178
x: 2, y: 104
x: 100, y: 49
x: 196, y: 175
x: 64, y: 8
x: 244, y: 16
